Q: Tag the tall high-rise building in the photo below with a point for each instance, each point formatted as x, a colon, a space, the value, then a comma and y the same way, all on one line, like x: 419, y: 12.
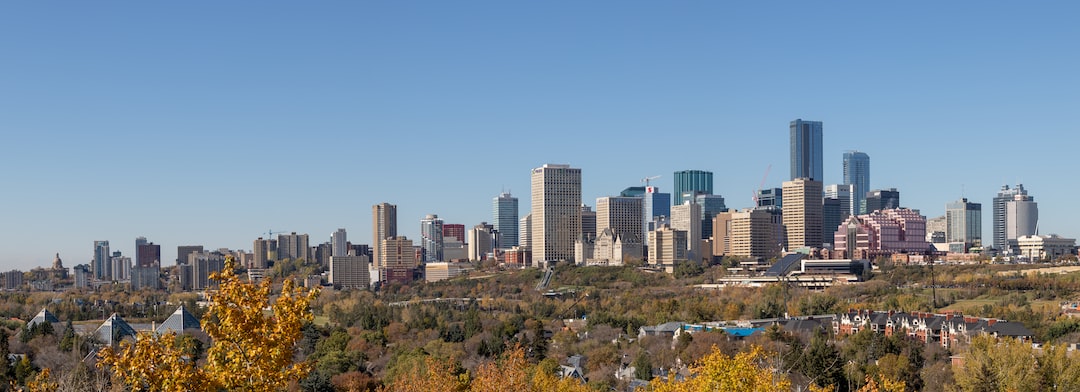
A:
x: 806, y: 157
x: 623, y: 215
x: 102, y: 260
x: 857, y: 174
x: 667, y: 246
x: 964, y: 222
x: 881, y: 199
x: 383, y: 226
x: 480, y: 241
x: 746, y: 233
x: 292, y: 246
x: 656, y: 203
x: 400, y: 262
x: 183, y: 251
x: 264, y: 251
x: 556, y: 212
x: 506, y: 220
x: 689, y: 183
x: 339, y: 243
x: 1022, y: 219
x: 710, y: 206
x: 1004, y: 196
x: 431, y: 238
x: 121, y: 266
x: 803, y: 215
x: 687, y: 217
x: 845, y: 193
x: 832, y: 214
x: 525, y: 232
x: 147, y: 253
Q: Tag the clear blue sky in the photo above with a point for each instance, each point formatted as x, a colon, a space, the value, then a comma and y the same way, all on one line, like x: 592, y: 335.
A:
x: 212, y: 122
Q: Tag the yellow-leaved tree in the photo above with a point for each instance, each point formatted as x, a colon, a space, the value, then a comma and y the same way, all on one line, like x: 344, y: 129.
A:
x: 746, y: 371
x: 250, y: 349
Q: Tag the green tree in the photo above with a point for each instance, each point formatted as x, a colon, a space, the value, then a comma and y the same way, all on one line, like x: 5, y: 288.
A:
x: 67, y: 341
x: 642, y: 366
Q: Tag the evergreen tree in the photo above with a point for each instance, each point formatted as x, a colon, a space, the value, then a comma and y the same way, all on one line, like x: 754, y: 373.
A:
x: 67, y: 341
x: 5, y: 364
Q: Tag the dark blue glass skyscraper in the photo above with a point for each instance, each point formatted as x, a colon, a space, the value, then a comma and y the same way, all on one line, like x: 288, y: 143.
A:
x: 857, y: 173
x: 806, y: 160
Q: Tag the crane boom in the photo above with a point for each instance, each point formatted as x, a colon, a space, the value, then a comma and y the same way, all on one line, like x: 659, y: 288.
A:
x: 761, y: 185
x: 647, y: 179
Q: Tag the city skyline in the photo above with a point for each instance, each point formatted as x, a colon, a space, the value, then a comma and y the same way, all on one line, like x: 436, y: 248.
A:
x: 211, y: 121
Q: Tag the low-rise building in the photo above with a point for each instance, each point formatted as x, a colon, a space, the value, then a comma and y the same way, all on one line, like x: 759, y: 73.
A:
x: 1038, y: 247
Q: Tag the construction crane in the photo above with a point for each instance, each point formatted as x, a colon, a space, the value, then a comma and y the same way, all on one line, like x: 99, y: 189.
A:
x: 647, y: 179
x: 270, y: 233
x: 761, y: 185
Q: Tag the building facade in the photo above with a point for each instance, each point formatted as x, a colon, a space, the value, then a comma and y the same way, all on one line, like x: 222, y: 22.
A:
x: 556, y: 212
x: 667, y: 246
x: 505, y: 211
x: 481, y: 241
x: 1000, y: 211
x: 880, y: 199
x: 710, y: 206
x: 691, y: 182
x: 102, y: 264
x: 350, y: 272
x: 623, y: 215
x: 963, y: 221
x: 747, y: 233
x: 806, y: 147
x: 1048, y: 247
x: 803, y: 214
x: 431, y: 238
x: 383, y: 226
x: 882, y: 233
x: 657, y: 204
x: 339, y: 243
x: 686, y: 217
x: 456, y: 230
x: 1021, y: 219
x: 399, y: 260
x: 292, y: 246
x: 857, y: 174
x: 525, y: 232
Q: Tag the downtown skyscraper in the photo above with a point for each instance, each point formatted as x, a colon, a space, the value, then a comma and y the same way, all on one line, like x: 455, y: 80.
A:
x: 431, y: 238
x: 1000, y: 211
x: 806, y: 156
x: 963, y: 220
x: 857, y: 174
x: 383, y: 226
x: 102, y: 265
x: 803, y: 214
x: 556, y: 212
x: 505, y: 212
x: 689, y: 183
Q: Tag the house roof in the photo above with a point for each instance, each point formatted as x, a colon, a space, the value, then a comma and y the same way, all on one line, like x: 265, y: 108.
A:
x: 181, y: 320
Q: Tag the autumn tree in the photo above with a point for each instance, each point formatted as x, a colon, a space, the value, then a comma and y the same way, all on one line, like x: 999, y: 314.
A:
x: 746, y: 371
x: 992, y: 364
x: 250, y: 350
